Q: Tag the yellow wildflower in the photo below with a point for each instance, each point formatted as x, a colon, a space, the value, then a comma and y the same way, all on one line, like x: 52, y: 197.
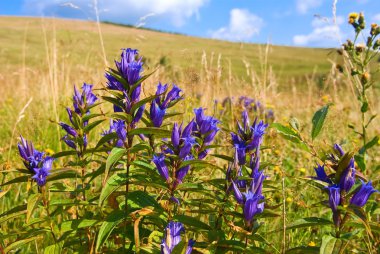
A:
x: 311, y: 244
x: 49, y: 151
x: 289, y: 200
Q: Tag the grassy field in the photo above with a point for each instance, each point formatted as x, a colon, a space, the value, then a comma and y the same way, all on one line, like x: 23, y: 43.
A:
x: 41, y: 60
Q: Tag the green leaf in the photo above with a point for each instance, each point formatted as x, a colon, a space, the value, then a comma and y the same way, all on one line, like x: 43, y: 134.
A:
x: 112, y: 159
x: 359, y: 159
x: 294, y: 123
x: 141, y: 199
x: 92, y: 125
x: 90, y: 116
x: 31, y: 205
x: 20, y: 179
x: 192, y: 222
x: 328, y: 244
x: 303, y: 250
x: 64, y: 154
x: 122, y: 116
x: 19, y: 244
x: 106, y: 138
x: 369, y: 144
x: 308, y: 222
x: 142, y: 102
x: 112, y: 220
x: 76, y: 224
x: 150, y: 131
x: 54, y: 249
x: 112, y: 184
x: 62, y: 173
x: 287, y: 132
x: 114, y: 101
x: 318, y: 121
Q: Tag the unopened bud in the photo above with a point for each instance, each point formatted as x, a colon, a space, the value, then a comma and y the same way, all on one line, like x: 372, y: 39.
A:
x: 365, y: 78
x: 376, y: 45
x: 369, y: 41
x: 373, y: 29
x: 360, y: 48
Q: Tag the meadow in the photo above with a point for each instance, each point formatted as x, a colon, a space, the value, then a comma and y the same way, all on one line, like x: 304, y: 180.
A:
x: 122, y: 189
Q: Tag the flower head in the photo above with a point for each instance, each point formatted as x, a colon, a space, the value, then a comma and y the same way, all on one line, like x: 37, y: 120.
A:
x: 252, y: 206
x: 162, y: 102
x: 361, y: 197
x: 321, y: 174
x: 334, y: 197
x: 347, y: 179
x: 82, y: 101
x: 42, y: 172
x: 159, y: 161
x: 130, y: 66
x: 31, y: 157
x: 172, y: 236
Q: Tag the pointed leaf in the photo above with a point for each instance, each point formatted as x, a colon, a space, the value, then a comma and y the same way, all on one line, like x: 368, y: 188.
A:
x: 318, y: 121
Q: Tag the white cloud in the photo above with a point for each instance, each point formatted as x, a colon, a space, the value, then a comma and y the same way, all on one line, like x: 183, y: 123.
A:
x: 125, y: 11
x: 324, y: 33
x: 303, y: 6
x: 242, y: 27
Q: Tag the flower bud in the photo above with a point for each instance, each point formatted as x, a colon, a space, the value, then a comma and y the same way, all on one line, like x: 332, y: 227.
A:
x: 365, y: 77
x: 374, y: 30
x: 360, y: 48
x: 376, y: 45
x: 361, y: 21
x: 352, y: 17
x: 369, y: 41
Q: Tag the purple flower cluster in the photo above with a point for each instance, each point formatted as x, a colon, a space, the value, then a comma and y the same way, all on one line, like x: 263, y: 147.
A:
x: 35, y: 161
x: 164, y: 100
x: 82, y: 102
x: 205, y: 129
x: 127, y: 81
x: 179, y: 149
x: 118, y: 127
x: 338, y: 189
x: 248, y: 139
x: 172, y: 237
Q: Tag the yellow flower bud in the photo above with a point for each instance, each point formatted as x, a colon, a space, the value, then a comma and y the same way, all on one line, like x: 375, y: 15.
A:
x: 311, y: 244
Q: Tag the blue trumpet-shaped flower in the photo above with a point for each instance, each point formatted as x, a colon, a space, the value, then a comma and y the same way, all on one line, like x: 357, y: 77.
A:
x: 321, y: 174
x: 250, y: 200
x: 206, y: 128
x: 42, y: 172
x: 31, y: 157
x: 347, y: 179
x: 190, y: 245
x: 252, y: 206
x: 34, y: 160
x: 247, y: 138
x: 334, y: 197
x: 172, y: 237
x: 361, y: 197
x: 182, y: 141
x: 162, y: 102
x: 82, y: 101
x: 130, y: 66
x: 159, y: 161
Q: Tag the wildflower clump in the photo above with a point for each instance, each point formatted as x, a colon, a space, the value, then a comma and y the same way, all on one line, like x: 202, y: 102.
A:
x: 339, y: 186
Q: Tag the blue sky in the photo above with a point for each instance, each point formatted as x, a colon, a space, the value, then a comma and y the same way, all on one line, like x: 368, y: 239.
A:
x: 307, y: 23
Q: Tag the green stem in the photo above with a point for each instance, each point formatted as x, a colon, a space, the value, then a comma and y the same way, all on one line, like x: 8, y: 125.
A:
x: 46, y: 206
